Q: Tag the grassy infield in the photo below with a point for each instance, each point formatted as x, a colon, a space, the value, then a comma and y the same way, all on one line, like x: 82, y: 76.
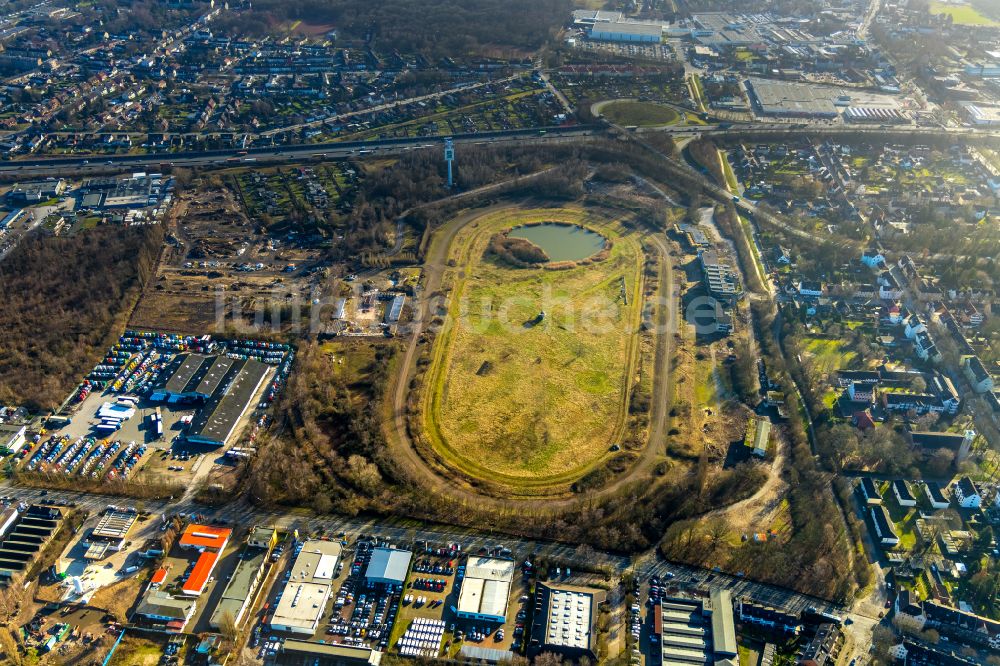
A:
x: 555, y: 397
x: 640, y: 114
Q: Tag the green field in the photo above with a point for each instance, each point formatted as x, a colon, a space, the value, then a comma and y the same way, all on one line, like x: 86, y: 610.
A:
x: 641, y: 114
x: 527, y: 402
x: 829, y: 355
x: 963, y: 14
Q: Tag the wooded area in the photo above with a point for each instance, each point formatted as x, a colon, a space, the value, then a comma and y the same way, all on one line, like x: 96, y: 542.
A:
x: 435, y: 28
x: 64, y: 301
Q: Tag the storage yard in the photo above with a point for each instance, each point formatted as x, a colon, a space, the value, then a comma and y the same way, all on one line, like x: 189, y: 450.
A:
x: 163, y: 398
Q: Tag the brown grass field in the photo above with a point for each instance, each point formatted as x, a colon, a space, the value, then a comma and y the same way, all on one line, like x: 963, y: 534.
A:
x: 525, y: 404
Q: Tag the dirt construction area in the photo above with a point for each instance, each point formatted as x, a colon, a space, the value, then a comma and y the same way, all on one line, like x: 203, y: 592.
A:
x: 219, y: 266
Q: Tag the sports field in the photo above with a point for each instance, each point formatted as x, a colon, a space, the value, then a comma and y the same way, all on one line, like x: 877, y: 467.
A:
x: 522, y: 399
x: 963, y: 14
x: 641, y: 114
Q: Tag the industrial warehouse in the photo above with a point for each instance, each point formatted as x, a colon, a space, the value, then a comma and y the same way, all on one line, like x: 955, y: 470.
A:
x: 221, y: 414
x: 244, y: 582
x: 486, y: 589
x: 226, y: 386
x: 697, y: 630
x: 26, y: 533
x: 111, y: 531
x: 781, y: 98
x: 567, y: 626
x: 304, y: 597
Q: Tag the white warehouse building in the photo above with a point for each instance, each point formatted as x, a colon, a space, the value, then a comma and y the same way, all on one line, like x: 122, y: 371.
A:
x: 621, y: 31
x: 485, y: 589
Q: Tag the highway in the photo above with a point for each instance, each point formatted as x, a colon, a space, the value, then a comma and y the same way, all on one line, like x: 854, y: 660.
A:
x: 761, y: 131
x: 273, y: 154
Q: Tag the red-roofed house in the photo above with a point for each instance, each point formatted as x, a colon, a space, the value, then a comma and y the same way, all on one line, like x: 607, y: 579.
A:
x: 198, y: 578
x: 158, y: 577
x: 205, y: 537
x: 863, y: 420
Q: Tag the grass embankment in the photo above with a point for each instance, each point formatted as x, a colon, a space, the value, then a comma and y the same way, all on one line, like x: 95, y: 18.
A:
x: 698, y: 91
x: 640, y: 114
x: 525, y: 401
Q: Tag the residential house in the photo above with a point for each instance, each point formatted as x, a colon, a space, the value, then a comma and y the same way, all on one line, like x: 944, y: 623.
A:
x: 977, y: 374
x: 902, y: 493
x: 914, y: 325
x: 923, y: 345
x: 883, y: 526
x: 908, y: 268
x: 912, y: 652
x: 993, y: 401
x: 862, y: 420
x: 966, y: 494
x: 810, y: 288
x: 846, y: 377
x: 963, y: 626
x: 873, y: 258
x: 921, y: 403
x: 936, y: 495
x: 823, y: 648
x: 891, y: 314
x: 930, y: 442
x: 861, y: 392
x: 768, y: 618
x: 865, y: 291
x: 720, y: 277
x: 889, y: 288
x: 907, y: 605
x: 943, y: 388
x: 870, y: 491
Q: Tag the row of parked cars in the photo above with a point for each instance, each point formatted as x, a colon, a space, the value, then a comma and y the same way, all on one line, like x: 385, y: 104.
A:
x: 428, y: 567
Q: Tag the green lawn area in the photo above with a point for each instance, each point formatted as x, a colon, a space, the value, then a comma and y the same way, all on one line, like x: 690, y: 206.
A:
x: 642, y: 114
x: 829, y: 355
x: 903, y: 518
x: 699, y: 91
x: 137, y: 651
x: 962, y: 14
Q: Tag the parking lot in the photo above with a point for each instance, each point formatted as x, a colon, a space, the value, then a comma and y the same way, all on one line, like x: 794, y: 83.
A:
x: 663, y: 51
x: 362, y: 614
x: 78, y: 448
